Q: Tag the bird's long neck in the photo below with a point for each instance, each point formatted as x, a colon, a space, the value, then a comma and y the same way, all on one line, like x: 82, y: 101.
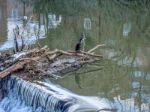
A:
x: 80, y: 41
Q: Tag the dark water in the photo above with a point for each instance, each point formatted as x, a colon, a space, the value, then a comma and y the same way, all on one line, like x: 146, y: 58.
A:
x: 123, y: 76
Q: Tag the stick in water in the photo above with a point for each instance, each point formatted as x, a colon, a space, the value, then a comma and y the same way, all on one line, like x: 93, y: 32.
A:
x: 93, y: 49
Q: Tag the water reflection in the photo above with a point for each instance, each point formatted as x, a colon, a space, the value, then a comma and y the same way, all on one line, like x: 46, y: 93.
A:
x: 3, y: 20
x: 123, y: 76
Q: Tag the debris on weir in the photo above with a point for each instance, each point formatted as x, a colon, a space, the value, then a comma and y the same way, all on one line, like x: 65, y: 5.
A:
x: 40, y: 62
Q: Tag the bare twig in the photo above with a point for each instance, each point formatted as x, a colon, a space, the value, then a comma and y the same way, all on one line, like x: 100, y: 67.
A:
x: 96, y: 47
x: 82, y: 53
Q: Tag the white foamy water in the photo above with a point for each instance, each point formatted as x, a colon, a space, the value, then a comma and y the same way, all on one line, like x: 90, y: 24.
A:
x: 83, y: 103
x: 89, y: 103
x: 12, y: 103
x: 24, y: 96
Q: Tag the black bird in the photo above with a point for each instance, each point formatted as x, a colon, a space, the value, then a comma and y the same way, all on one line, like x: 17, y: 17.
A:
x: 78, y: 45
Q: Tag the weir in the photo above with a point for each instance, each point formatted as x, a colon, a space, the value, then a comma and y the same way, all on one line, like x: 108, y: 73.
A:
x: 18, y: 95
x: 32, y: 95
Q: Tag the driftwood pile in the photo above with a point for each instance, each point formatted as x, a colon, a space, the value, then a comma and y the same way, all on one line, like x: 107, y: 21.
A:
x: 41, y: 62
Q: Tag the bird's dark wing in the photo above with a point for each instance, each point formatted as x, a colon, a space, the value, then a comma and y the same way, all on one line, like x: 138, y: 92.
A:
x: 77, y: 47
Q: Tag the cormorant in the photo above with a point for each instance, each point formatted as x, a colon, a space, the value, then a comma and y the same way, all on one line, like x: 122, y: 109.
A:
x: 79, y: 44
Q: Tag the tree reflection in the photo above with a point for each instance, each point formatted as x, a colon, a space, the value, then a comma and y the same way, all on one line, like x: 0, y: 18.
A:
x: 3, y: 20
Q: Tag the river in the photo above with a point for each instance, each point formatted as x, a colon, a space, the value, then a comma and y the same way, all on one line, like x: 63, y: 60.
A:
x: 121, y: 79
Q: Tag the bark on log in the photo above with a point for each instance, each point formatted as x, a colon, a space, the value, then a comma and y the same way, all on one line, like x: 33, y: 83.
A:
x: 17, y: 66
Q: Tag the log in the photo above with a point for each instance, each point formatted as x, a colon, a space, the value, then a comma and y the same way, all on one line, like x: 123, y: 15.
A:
x: 83, y: 54
x: 18, y: 56
x: 13, y: 68
x: 65, y: 53
x: 19, y: 61
x: 18, y: 65
x: 91, y: 54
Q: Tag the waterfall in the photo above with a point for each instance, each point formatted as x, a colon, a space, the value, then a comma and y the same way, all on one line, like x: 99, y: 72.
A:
x: 83, y: 103
x: 16, y: 92
x: 18, y: 95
